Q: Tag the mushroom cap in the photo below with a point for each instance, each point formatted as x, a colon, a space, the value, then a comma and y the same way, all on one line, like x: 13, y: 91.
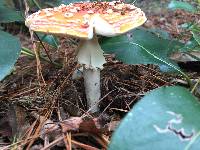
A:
x: 83, y: 19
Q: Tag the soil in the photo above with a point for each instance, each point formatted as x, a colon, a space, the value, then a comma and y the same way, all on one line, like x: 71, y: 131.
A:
x: 30, y: 99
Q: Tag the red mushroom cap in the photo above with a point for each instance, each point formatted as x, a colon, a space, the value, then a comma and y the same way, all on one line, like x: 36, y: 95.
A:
x: 84, y: 18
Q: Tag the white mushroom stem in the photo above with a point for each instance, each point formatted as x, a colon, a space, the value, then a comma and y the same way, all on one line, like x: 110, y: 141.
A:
x: 92, y: 88
x: 91, y: 56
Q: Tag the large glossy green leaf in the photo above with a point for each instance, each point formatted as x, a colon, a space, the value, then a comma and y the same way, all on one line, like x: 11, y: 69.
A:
x: 9, y: 52
x: 2, y: 3
x: 9, y: 15
x: 165, y: 119
x: 181, y: 5
x: 140, y: 47
x: 7, y: 3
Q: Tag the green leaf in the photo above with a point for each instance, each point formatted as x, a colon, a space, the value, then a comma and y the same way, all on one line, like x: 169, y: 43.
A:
x: 2, y: 3
x: 195, y: 27
x: 181, y: 5
x: 194, y: 43
x: 49, y: 39
x: 195, y: 30
x: 9, y: 52
x: 196, y: 36
x: 191, y: 45
x: 140, y: 47
x: 166, y: 118
x: 8, y: 15
x: 7, y: 3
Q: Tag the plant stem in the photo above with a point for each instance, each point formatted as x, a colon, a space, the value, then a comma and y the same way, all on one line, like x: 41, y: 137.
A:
x: 26, y: 53
x: 195, y: 86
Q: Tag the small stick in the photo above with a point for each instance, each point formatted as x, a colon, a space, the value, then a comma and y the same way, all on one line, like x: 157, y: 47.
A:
x: 69, y: 139
x: 67, y: 145
x: 84, y: 146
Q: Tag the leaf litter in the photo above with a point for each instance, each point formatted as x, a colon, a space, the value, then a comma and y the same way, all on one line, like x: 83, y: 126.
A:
x: 53, y: 115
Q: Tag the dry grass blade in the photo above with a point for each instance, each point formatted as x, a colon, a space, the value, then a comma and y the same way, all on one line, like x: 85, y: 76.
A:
x: 52, y: 144
x: 41, y: 123
x: 66, y: 141
x: 69, y: 139
x: 36, y: 133
x: 36, y: 49
x: 100, y: 139
x: 81, y: 145
x: 84, y: 146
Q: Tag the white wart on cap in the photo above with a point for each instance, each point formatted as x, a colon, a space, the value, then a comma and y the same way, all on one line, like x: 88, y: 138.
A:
x: 84, y: 18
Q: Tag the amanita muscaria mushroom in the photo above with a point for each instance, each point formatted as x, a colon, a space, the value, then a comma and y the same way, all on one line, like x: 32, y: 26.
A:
x: 86, y: 20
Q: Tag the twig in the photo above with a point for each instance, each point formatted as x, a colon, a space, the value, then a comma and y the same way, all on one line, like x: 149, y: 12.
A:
x: 46, y: 141
x: 42, y: 121
x: 28, y: 52
x: 66, y: 141
x: 84, y: 146
x: 101, y: 141
x: 195, y: 86
x: 87, y: 112
x: 26, y: 14
x: 69, y: 139
x: 44, y: 48
x: 39, y: 68
x: 29, y: 131
x: 52, y: 144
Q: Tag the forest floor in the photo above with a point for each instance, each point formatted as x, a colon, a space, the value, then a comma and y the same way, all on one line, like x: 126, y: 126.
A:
x: 30, y: 98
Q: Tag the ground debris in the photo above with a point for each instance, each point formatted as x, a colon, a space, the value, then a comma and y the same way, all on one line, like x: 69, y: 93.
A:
x: 55, y: 113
